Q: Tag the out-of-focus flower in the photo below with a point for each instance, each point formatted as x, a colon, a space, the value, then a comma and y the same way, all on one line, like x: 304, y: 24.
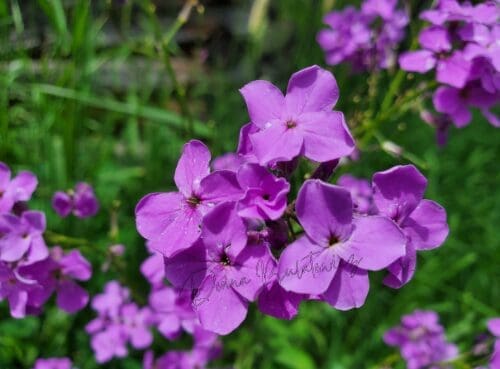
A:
x: 81, y: 201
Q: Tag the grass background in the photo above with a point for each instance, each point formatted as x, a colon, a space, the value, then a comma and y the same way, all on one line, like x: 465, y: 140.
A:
x: 87, y: 93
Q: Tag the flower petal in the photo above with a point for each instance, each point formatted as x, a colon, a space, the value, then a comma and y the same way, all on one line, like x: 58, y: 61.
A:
x: 192, y: 167
x: 306, y: 268
x: 220, y: 310
x: 324, y: 211
x: 427, y: 226
x: 326, y: 136
x: 348, y: 289
x: 420, y: 61
x: 264, y: 100
x: 71, y: 297
x: 375, y: 243
x: 311, y: 89
x: 398, y: 191
x: 277, y: 143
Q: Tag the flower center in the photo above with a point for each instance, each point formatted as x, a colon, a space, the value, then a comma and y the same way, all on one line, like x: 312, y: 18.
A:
x: 266, y: 196
x: 193, y: 201
x: 224, y: 260
x: 290, y: 124
x: 333, y: 240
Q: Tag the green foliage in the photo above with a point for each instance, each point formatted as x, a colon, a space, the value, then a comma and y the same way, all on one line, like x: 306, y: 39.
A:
x: 92, y: 101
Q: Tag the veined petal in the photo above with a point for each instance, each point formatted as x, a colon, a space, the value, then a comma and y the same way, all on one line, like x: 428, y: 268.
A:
x: 324, y: 211
x: 348, y: 289
x: 427, y: 226
x: 375, y: 243
x: 311, y: 89
x: 193, y: 166
x: 305, y: 267
x: 277, y: 143
x: 264, y: 100
x: 326, y: 136
x: 398, y: 191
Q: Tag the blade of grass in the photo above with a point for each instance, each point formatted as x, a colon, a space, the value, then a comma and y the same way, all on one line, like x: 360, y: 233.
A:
x: 142, y: 111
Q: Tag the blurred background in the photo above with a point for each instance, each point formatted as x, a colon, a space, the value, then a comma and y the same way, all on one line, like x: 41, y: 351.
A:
x: 108, y: 91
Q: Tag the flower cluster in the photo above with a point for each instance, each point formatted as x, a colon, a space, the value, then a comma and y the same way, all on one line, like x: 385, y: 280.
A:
x: 461, y: 44
x: 423, y: 344
x: 81, y: 201
x: 365, y: 38
x: 421, y: 340
x: 231, y: 236
x: 29, y: 272
x: 121, y: 321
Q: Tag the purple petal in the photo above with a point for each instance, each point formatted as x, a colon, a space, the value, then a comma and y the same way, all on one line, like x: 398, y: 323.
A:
x: 71, y: 297
x: 141, y: 338
x: 170, y: 326
x: 398, y: 191
x: 17, y: 303
x: 153, y: 269
x: 311, y: 89
x: 448, y: 100
x: 403, y: 269
x: 244, y: 144
x: 248, y: 284
x: 265, y: 102
x: 4, y: 176
x: 13, y: 247
x: 62, y: 204
x: 24, y: 184
x: 306, y: 268
x: 453, y: 70
x: 276, y: 302
x: 73, y: 264
x: 156, y: 212
x: 220, y: 186
x: 192, y: 167
x: 187, y: 269
x: 375, y: 243
x: 420, y: 61
x: 494, y: 326
x: 426, y: 226
x: 170, y: 223
x: 277, y: 143
x: 348, y: 289
x: 324, y: 211
x: 326, y: 136
x: 435, y: 38
x: 223, y: 228
x: 35, y: 220
x: 220, y: 310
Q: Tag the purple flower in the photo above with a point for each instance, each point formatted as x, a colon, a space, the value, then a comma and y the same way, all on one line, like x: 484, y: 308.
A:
x: 153, y: 269
x: 230, y: 161
x: 221, y: 267
x: 494, y: 328
x: 19, y: 188
x: 119, y: 322
x: 265, y: 195
x: 82, y: 202
x: 300, y: 123
x: 171, y: 221
x: 21, y: 237
x: 441, y: 123
x: 333, y: 257
x: 172, y: 311
x: 398, y: 194
x: 456, y: 102
x: 361, y: 193
x: 421, y: 340
x: 366, y: 38
x: 58, y: 272
x: 24, y: 295
x: 109, y: 343
x: 53, y: 363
